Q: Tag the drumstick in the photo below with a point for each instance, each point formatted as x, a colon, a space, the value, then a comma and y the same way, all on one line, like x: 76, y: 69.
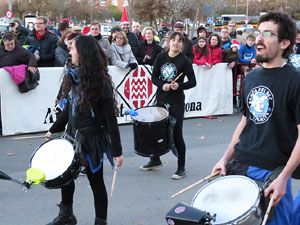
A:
x: 195, y: 184
x: 178, y: 76
x: 28, y: 137
x: 114, y: 180
x: 169, y: 76
x: 268, y: 211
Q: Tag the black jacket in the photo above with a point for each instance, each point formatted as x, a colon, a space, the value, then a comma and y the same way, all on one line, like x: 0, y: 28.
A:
x: 141, y: 52
x: 46, y: 47
x: 188, y: 49
x: 16, y: 57
x: 132, y: 41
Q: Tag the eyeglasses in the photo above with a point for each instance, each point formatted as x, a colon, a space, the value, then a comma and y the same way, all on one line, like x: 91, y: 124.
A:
x: 256, y: 33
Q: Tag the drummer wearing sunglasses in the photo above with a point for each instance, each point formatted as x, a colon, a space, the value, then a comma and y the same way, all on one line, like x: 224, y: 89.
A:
x: 90, y: 114
x: 267, y: 136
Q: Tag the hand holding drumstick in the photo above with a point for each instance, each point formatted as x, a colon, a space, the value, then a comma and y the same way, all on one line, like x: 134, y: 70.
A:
x: 119, y: 162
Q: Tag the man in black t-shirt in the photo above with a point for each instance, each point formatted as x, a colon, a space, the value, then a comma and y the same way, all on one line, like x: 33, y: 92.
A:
x: 266, y: 137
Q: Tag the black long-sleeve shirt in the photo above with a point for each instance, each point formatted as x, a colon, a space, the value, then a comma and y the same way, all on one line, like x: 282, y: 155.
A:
x: 166, y: 68
x: 105, y: 116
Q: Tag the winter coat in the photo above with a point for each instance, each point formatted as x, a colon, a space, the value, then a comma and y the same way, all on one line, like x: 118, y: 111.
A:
x: 247, y: 53
x: 23, y: 32
x: 226, y: 44
x: 17, y: 56
x: 123, y: 55
x: 61, y: 54
x: 201, y: 61
x: 141, y: 52
x: 215, y: 54
x: 104, y: 43
x: 132, y: 41
x: 188, y: 49
x: 46, y: 47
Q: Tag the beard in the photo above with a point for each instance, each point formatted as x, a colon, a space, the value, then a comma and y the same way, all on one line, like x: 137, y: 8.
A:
x: 261, y: 59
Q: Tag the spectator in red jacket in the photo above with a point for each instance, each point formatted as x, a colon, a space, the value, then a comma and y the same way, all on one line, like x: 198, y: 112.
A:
x: 215, y: 51
x: 201, y: 53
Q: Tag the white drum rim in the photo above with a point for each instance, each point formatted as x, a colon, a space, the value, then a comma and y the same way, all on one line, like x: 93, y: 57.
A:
x: 242, y: 216
x: 162, y: 119
x: 64, y: 168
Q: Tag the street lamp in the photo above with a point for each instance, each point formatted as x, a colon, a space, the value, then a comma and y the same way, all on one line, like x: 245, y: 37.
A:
x: 247, y: 9
x: 9, y: 5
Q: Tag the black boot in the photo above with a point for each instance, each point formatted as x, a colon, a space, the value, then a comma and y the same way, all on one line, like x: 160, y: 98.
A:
x: 99, y: 221
x: 65, y: 216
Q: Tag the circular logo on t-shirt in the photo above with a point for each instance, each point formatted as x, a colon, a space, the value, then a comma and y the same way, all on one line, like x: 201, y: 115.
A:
x: 260, y: 102
x: 168, y: 71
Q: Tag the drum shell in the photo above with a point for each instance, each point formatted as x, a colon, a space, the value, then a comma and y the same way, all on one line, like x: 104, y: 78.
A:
x: 69, y: 175
x: 151, y: 138
x: 252, y: 216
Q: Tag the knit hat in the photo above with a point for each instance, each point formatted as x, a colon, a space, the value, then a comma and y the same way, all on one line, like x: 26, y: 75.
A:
x: 124, y: 18
x: 17, y: 20
x: 235, y: 43
x: 115, y: 29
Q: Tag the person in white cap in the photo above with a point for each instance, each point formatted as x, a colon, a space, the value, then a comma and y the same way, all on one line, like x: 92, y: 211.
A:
x: 132, y: 39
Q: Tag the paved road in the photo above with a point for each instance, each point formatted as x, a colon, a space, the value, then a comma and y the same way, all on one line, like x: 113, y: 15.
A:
x: 140, y: 198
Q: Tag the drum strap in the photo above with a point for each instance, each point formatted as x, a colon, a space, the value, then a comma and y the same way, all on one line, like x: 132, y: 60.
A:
x: 264, y: 201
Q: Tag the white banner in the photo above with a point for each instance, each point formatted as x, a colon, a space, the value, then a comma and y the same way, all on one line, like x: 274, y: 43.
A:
x: 34, y: 111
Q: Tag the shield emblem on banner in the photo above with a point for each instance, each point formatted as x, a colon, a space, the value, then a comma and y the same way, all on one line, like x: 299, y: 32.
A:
x: 136, y: 89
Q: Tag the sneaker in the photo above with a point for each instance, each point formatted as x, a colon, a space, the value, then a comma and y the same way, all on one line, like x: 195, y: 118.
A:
x: 83, y: 172
x: 179, y: 174
x: 152, y: 164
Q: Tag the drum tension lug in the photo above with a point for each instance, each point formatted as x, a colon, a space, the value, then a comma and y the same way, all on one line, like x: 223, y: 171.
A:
x: 209, y: 218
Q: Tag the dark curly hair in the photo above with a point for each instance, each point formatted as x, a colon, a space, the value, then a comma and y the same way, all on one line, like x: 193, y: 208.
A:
x: 286, y: 28
x: 93, y: 72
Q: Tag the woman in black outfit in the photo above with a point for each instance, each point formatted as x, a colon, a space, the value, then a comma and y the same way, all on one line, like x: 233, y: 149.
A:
x: 148, y: 49
x: 90, y: 111
x: 167, y: 67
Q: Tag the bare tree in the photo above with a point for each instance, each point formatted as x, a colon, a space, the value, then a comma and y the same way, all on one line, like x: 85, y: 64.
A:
x: 150, y: 10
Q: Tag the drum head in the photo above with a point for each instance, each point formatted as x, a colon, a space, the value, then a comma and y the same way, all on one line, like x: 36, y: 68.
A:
x: 53, y: 158
x: 228, y: 197
x: 151, y: 114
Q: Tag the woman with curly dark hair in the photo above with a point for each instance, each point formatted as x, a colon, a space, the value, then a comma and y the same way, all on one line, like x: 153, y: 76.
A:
x: 90, y: 112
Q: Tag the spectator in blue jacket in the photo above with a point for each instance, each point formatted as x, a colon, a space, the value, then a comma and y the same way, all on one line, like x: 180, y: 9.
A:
x: 247, y: 53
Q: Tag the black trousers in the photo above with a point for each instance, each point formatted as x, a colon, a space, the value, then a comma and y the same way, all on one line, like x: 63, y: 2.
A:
x: 177, y: 111
x: 99, y: 191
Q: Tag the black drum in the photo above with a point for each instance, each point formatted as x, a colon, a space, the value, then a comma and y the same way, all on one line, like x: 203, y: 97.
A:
x: 57, y: 159
x: 150, y: 130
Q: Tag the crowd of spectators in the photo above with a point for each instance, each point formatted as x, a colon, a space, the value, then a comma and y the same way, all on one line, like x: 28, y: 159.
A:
x: 127, y: 49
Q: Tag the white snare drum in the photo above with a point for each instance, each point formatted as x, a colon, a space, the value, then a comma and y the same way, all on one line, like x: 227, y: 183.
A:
x: 234, y: 200
x: 56, y: 158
